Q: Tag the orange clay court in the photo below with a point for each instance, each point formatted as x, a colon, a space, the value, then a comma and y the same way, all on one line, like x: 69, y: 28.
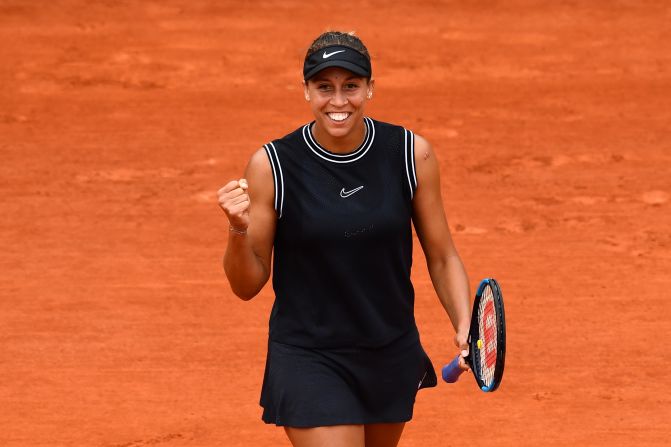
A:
x: 119, y: 120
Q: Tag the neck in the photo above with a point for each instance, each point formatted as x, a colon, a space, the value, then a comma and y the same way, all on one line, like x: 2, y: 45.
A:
x: 340, y: 144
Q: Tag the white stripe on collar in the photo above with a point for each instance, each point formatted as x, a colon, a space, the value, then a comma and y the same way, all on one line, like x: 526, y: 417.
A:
x: 340, y: 158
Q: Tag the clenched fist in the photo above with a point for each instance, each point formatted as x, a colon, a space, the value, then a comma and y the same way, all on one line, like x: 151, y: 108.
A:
x: 234, y: 200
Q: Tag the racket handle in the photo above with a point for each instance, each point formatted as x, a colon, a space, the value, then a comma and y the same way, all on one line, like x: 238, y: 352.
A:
x: 451, y: 371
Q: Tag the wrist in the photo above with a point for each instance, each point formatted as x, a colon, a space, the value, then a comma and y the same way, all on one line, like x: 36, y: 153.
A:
x: 464, y: 328
x: 238, y: 231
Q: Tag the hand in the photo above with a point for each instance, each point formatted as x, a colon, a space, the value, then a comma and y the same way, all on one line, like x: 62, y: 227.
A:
x: 234, y: 200
x: 461, y: 341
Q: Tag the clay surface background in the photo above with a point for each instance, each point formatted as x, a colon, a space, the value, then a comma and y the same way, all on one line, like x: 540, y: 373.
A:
x: 120, y: 119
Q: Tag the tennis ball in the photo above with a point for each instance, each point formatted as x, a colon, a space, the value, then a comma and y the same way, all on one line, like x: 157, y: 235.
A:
x: 479, y: 344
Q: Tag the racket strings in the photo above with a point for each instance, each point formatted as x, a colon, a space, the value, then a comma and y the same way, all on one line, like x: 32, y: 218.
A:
x: 488, y: 335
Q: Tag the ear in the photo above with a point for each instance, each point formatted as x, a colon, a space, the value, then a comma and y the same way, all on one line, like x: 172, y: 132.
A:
x: 371, y: 86
x: 306, y: 91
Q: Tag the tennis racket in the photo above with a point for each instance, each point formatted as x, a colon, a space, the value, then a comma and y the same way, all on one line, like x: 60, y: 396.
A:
x: 486, y: 339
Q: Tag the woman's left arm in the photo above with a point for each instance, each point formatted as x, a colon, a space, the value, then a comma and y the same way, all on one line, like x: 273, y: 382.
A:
x: 445, y: 267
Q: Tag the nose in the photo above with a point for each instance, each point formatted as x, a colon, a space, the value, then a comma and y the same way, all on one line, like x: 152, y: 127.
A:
x: 339, y: 98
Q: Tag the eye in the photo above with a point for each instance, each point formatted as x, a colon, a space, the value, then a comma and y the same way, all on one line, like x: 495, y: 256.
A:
x: 323, y: 87
x: 351, y: 86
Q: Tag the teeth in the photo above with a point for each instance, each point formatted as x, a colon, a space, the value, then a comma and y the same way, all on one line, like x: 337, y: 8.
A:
x: 338, y: 116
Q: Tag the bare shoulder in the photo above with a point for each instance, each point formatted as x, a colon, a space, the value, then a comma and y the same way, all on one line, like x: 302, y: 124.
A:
x: 426, y: 164
x: 259, y: 175
x: 259, y: 163
x: 423, y: 149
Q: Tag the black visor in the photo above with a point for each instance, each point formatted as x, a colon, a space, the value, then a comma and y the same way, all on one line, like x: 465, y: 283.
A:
x: 337, y: 56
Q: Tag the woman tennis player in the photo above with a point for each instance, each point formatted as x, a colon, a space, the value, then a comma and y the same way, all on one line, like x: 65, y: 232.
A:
x: 333, y: 203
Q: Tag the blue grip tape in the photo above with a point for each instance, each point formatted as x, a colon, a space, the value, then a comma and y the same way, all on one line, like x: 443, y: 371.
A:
x: 451, y: 371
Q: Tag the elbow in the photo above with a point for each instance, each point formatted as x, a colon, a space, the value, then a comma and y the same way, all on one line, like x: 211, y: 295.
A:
x: 245, y: 293
x: 246, y: 285
x: 442, y: 262
x: 437, y: 262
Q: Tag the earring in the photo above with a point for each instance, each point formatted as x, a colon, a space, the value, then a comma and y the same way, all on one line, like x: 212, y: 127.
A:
x: 307, y: 97
x: 370, y: 95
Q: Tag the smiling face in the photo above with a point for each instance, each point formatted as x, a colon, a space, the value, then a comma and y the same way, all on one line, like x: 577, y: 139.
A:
x: 337, y: 98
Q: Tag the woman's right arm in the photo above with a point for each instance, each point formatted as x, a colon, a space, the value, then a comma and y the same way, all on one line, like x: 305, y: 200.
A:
x: 248, y: 204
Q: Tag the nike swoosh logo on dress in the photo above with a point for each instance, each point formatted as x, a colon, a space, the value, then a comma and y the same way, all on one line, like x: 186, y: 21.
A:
x: 344, y: 194
x: 327, y: 55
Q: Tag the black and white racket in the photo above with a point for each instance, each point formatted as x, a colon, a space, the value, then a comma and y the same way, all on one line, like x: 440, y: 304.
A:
x: 486, y: 339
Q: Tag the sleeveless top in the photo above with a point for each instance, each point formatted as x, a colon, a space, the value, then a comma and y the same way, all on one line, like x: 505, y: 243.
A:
x: 343, y: 242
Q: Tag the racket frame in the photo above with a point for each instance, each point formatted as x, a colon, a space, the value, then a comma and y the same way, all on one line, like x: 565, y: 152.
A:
x: 473, y: 358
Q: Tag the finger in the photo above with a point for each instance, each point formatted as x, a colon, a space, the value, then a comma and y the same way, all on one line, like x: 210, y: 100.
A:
x: 241, y: 198
x: 229, y: 204
x: 243, y: 183
x: 462, y: 359
x: 463, y: 364
x: 239, y: 209
x: 223, y: 196
x: 228, y: 187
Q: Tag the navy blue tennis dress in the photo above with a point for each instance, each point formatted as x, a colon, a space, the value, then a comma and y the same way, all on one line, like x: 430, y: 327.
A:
x: 343, y: 345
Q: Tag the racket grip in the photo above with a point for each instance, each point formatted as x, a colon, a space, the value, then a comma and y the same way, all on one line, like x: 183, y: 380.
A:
x: 451, y: 371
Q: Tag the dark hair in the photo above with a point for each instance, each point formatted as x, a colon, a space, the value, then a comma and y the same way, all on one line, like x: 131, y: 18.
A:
x: 338, y: 38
